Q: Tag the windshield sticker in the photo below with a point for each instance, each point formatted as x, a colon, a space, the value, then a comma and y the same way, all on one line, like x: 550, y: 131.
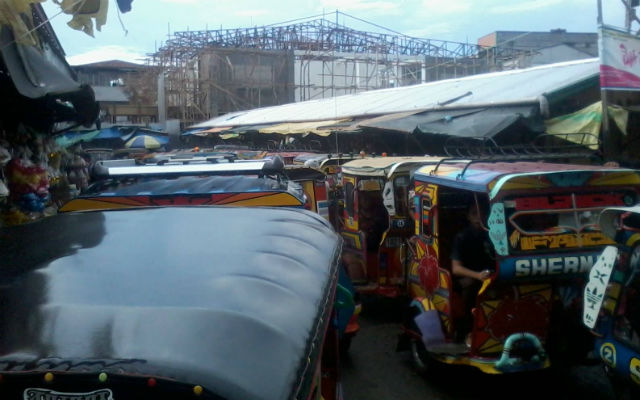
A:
x: 597, y: 285
x: 497, y: 229
x: 558, y: 241
x: 532, y: 267
x: 573, y: 178
x: 553, y: 265
x: 46, y: 394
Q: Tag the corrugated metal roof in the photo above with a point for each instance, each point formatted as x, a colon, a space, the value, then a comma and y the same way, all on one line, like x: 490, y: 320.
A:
x: 381, y: 166
x: 111, y: 64
x: 517, y: 86
x: 110, y: 94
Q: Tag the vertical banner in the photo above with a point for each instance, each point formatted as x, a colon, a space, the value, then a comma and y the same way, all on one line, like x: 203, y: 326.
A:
x: 619, y: 59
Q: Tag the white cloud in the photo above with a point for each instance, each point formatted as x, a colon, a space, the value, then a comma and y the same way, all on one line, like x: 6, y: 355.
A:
x: 251, y: 13
x: 106, y: 53
x: 445, y: 6
x: 433, y: 31
x: 524, y: 6
x: 360, y: 5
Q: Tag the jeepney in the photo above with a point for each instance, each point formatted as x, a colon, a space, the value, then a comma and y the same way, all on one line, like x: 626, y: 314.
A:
x: 196, y: 181
x: 376, y: 221
x: 170, y: 303
x: 542, y: 222
x: 612, y: 301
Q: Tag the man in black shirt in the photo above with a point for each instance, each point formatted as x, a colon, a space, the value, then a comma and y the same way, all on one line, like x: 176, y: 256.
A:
x: 471, y: 263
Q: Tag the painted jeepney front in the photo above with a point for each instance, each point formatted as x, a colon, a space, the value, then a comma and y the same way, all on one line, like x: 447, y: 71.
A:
x: 615, y: 309
x: 533, y: 261
x: 544, y: 225
x: 389, y: 179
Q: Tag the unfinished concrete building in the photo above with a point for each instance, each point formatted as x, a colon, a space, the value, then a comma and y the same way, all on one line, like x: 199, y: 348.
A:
x: 214, y: 72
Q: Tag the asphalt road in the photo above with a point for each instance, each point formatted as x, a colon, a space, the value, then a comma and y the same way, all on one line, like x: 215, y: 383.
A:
x: 373, y: 370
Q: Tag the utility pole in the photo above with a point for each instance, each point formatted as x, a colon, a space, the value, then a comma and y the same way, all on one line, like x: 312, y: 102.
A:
x: 611, y: 141
x: 608, y: 149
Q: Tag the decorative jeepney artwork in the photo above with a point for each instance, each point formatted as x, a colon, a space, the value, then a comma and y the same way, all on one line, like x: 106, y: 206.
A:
x: 172, y: 303
x: 612, y: 300
x: 379, y: 216
x: 541, y: 220
x: 125, y: 184
x: 270, y: 198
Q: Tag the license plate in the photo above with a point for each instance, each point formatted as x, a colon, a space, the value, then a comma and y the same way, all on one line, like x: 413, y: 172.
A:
x: 46, y: 394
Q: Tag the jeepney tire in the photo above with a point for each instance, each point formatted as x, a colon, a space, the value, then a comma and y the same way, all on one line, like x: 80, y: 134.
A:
x: 419, y: 357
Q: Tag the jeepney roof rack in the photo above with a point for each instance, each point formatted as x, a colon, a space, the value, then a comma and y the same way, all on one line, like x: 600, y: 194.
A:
x: 544, y: 145
x: 223, y: 165
x: 529, y: 152
x: 189, y: 159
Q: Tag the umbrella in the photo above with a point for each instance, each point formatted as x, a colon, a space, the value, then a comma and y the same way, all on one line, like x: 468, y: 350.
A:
x: 145, y: 142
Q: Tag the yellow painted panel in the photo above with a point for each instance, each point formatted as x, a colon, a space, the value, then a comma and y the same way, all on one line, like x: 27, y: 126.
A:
x: 617, y: 178
x: 489, y: 306
x: 440, y: 302
x: 614, y: 290
x: 90, y: 205
x: 278, y: 200
x: 416, y: 290
x: 633, y: 239
x: 524, y: 182
x: 491, y: 346
x: 355, y: 237
x: 609, y: 305
x: 634, y: 368
x: 420, y: 253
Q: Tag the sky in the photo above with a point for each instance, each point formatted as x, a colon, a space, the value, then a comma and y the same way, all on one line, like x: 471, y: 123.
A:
x: 133, y: 35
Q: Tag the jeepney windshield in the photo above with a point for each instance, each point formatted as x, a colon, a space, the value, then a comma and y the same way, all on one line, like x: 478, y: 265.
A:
x: 401, y: 195
x: 555, y: 222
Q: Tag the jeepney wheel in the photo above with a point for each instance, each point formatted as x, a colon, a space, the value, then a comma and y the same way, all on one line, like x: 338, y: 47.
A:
x: 420, y: 357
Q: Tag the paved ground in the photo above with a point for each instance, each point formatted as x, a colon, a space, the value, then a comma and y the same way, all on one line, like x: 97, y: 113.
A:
x: 373, y: 370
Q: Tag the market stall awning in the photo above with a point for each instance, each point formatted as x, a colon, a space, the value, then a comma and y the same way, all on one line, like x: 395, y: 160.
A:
x: 479, y: 122
x: 588, y: 120
x: 70, y: 139
x: 543, y: 85
x: 247, y: 129
x: 320, y: 128
x: 35, y: 63
x: 204, y: 132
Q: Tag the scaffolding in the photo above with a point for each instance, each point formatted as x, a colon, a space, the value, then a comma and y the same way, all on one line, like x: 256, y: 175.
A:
x: 213, y: 72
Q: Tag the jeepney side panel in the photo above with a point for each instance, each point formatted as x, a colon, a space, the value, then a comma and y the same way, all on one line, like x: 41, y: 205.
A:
x: 354, y: 250
x: 620, y: 355
x: 426, y: 277
x: 272, y: 199
x: 309, y: 190
x: 350, y: 215
x: 529, y: 266
x: 321, y: 193
x: 392, y: 253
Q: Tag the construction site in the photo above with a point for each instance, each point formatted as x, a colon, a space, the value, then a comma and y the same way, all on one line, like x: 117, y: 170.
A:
x: 209, y: 73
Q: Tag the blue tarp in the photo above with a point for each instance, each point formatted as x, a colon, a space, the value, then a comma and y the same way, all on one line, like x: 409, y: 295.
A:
x: 110, y: 133
x: 70, y: 139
